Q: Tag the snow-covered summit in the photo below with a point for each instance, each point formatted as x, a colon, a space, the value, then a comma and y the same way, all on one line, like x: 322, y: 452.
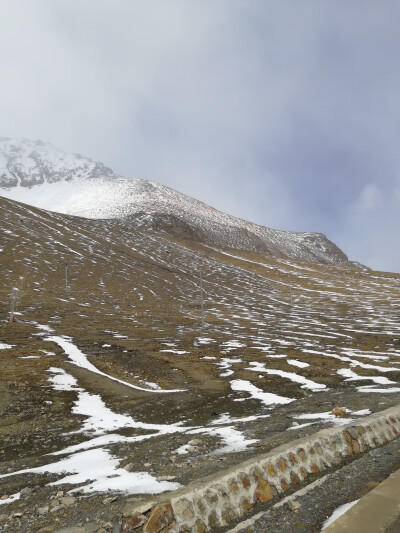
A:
x: 28, y: 163
x: 38, y: 174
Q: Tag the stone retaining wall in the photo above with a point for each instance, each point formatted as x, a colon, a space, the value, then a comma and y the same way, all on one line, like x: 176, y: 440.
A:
x: 220, y: 499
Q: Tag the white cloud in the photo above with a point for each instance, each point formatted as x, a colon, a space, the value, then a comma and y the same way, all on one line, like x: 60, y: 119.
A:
x: 370, y: 198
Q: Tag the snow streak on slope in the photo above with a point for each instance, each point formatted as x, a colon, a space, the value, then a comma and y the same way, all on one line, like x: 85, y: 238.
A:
x: 80, y: 359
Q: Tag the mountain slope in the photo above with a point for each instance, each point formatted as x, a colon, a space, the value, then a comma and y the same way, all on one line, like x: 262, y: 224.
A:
x: 40, y: 175
x: 108, y: 376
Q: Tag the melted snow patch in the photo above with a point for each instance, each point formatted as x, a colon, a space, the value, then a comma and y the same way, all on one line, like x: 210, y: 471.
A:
x: 225, y: 418
x: 326, y: 417
x: 362, y: 412
x: 231, y: 345
x: 305, y: 383
x: 297, y: 363
x: 44, y: 327
x: 225, y: 365
x: 12, y: 498
x: 350, y: 375
x: 368, y: 388
x: 204, y: 340
x: 337, y: 513
x: 4, y: 346
x: 62, y: 381
x: 267, y: 398
x: 101, y: 469
x: 177, y: 352
x: 80, y: 359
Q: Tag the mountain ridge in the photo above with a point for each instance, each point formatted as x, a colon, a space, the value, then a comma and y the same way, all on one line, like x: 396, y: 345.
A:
x: 36, y: 173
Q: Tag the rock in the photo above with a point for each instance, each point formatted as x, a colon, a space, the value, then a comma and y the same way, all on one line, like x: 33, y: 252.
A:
x: 353, y: 432
x: 117, y: 528
x: 54, y: 503
x: 161, y: 517
x: 27, y: 491
x: 134, y: 522
x: 3, y: 518
x: 195, y: 442
x: 339, y: 411
x: 166, y: 478
x: 4, y: 497
x: 57, y: 508
x: 293, y: 505
x: 137, y: 507
x: 46, y: 529
x: 110, y: 499
x: 43, y: 510
x: 129, y: 467
x: 68, y: 501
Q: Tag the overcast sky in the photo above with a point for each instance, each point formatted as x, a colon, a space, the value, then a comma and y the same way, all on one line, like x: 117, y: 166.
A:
x: 285, y: 113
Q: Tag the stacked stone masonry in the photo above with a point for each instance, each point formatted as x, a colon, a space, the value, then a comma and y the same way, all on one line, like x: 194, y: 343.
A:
x: 220, y: 499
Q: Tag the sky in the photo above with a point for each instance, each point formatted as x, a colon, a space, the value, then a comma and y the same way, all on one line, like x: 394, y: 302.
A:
x: 285, y: 113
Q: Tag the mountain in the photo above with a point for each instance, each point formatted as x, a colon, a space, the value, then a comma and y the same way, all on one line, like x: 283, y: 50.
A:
x: 110, y: 388
x: 38, y: 174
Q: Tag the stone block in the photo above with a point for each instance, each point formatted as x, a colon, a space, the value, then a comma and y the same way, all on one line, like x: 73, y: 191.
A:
x: 284, y: 484
x: 160, y: 517
x: 133, y: 523
x: 353, y: 432
x: 282, y: 464
x: 271, y: 470
x: 245, y: 482
x: 347, y: 436
x: 183, y: 508
x: 246, y: 505
x: 294, y: 478
x: 263, y: 490
x: 212, y: 520
x: 233, y: 487
x: 292, y: 458
x: 199, y: 527
x: 302, y: 454
x: 303, y: 472
x: 228, y: 514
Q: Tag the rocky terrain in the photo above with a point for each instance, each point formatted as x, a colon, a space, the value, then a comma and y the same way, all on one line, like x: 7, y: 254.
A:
x: 38, y: 174
x: 111, y: 388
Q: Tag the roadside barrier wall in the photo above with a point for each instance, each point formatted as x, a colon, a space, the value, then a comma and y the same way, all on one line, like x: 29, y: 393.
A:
x: 222, y: 498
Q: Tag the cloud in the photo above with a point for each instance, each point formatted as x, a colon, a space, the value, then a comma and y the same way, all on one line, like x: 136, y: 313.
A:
x: 281, y: 113
x: 370, y: 199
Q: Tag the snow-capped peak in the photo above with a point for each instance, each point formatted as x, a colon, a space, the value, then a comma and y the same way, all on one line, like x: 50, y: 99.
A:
x: 28, y: 163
